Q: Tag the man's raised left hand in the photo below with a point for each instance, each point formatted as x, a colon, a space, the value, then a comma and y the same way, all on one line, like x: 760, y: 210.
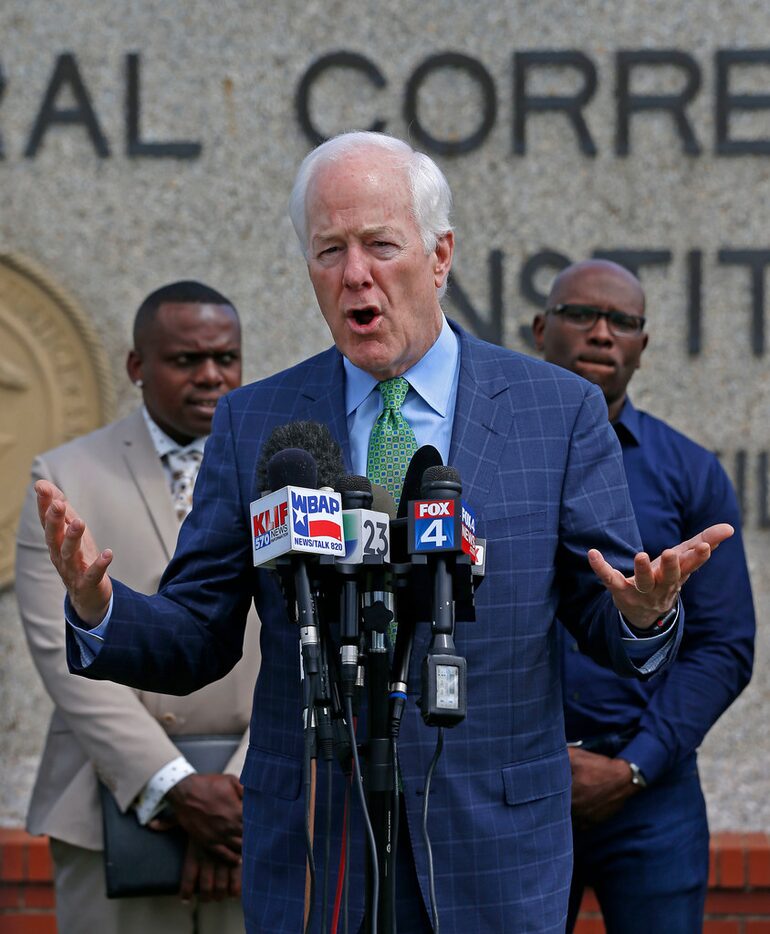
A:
x: 654, y: 587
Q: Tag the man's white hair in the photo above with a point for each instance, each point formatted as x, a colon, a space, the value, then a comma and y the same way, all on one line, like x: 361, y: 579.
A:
x: 431, y: 197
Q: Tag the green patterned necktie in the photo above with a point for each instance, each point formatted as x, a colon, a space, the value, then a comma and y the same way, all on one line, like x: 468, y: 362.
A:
x: 392, y: 442
x: 391, y: 446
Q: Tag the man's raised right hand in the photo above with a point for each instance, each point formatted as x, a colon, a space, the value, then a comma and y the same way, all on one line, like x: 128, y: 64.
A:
x: 81, y: 566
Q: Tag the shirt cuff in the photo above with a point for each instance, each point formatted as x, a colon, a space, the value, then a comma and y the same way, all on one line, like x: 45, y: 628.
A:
x: 150, y: 799
x: 89, y: 641
x: 628, y: 632
x: 649, y: 753
x: 651, y: 653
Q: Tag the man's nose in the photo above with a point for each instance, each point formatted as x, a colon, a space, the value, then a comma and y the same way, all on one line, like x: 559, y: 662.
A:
x: 600, y: 333
x: 207, y: 373
x: 357, y: 274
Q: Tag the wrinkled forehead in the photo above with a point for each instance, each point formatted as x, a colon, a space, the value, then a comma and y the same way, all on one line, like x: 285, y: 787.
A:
x: 365, y: 178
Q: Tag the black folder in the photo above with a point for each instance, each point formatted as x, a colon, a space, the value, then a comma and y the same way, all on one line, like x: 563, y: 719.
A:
x: 140, y: 861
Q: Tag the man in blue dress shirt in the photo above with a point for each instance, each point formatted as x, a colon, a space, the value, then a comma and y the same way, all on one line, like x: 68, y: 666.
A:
x: 639, y: 818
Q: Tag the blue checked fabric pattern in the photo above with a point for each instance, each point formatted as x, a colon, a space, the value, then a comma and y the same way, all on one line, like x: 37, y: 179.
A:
x: 392, y: 442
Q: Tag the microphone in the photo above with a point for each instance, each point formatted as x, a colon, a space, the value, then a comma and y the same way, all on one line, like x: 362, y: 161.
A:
x: 409, y: 583
x: 296, y: 518
x: 423, y: 458
x: 442, y: 527
x: 295, y: 521
x: 366, y: 529
x: 367, y: 551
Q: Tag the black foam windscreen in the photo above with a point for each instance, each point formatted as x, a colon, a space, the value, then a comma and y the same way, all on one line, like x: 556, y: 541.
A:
x: 440, y: 481
x: 354, y: 482
x: 313, y: 437
x: 356, y: 491
x: 292, y: 467
x: 423, y: 459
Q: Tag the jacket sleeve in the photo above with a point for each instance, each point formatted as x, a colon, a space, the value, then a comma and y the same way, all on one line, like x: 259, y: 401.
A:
x: 716, y: 656
x: 191, y: 632
x: 596, y: 512
x: 122, y: 739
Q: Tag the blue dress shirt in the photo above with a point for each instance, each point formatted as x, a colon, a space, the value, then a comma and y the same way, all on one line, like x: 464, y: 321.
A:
x: 677, y: 489
x: 429, y: 406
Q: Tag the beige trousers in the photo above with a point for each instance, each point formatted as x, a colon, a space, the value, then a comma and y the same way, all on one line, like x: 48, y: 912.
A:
x: 83, y: 908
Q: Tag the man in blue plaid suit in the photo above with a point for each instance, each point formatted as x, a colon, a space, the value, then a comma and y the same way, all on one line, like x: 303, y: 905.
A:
x: 542, y: 468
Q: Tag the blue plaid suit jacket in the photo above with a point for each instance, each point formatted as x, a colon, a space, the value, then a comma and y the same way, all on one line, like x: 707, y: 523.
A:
x: 541, y: 467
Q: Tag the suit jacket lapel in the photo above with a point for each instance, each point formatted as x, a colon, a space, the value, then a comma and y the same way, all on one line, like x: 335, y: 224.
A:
x: 323, y: 398
x: 147, y: 473
x: 483, y: 420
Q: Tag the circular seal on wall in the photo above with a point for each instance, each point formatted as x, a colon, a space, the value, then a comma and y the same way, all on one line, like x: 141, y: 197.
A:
x: 54, y: 382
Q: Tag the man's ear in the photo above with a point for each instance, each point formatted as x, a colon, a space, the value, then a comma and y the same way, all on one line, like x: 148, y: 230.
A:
x: 443, y: 251
x: 645, y: 338
x: 134, y: 367
x: 538, y: 331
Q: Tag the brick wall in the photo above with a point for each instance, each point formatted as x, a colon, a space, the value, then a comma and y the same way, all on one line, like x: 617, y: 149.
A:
x: 738, y: 901
x: 26, y: 886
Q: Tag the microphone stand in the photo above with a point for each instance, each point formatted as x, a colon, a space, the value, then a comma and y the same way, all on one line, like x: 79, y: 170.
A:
x: 378, y: 775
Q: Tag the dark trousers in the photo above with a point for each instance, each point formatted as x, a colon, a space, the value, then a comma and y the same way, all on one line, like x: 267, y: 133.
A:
x: 649, y: 863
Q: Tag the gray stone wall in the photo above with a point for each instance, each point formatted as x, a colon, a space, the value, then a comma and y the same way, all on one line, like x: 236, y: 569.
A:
x: 225, y: 75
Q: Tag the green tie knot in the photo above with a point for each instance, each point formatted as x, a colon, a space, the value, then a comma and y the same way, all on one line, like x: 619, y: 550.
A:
x: 394, y: 392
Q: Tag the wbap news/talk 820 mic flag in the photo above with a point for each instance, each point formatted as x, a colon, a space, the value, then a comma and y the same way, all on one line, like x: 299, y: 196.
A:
x: 296, y: 518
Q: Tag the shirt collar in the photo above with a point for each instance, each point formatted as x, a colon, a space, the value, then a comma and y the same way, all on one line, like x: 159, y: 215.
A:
x: 431, y: 377
x: 628, y: 422
x: 163, y: 444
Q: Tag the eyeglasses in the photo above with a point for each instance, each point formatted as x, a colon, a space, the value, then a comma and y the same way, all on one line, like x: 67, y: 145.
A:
x: 584, y: 317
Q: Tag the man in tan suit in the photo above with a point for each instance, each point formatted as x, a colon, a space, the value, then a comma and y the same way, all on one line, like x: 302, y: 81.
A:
x: 134, y: 479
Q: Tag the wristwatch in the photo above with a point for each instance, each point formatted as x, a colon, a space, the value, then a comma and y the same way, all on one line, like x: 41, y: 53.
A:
x: 637, y: 775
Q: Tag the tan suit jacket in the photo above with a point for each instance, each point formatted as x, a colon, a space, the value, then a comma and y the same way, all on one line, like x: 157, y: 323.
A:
x: 113, y: 477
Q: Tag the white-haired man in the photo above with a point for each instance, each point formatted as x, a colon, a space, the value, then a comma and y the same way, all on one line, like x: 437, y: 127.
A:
x: 542, y: 468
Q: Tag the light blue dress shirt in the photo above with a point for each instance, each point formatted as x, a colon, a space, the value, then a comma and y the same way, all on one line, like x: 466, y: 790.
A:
x: 429, y: 406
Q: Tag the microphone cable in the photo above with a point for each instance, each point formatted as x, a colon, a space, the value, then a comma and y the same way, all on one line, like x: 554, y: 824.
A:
x: 346, y: 878
x: 327, y: 845
x: 309, y: 774
x: 326, y: 750
x: 358, y: 779
x: 394, y: 847
x: 425, y: 836
x: 341, y: 890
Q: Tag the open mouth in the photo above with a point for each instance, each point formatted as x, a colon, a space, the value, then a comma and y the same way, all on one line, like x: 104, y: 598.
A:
x: 363, y: 317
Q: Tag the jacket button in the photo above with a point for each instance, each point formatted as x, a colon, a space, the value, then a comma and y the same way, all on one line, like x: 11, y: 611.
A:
x: 168, y: 718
